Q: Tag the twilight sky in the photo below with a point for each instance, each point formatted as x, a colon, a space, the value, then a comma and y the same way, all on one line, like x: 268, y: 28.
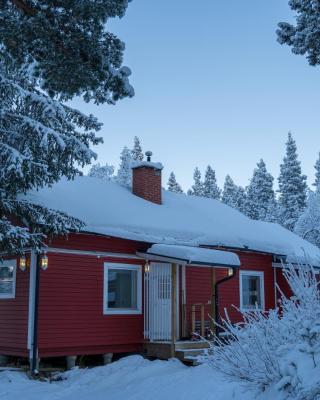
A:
x: 212, y: 86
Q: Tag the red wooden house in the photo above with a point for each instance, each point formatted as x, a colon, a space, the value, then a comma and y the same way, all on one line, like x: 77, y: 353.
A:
x: 149, y: 268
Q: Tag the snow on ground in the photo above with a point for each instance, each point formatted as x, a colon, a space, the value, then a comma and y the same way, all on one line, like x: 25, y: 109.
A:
x: 131, y: 378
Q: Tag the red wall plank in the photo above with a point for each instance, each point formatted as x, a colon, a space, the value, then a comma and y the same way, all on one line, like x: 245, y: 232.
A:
x: 71, y: 319
x: 199, y: 288
x: 14, y: 318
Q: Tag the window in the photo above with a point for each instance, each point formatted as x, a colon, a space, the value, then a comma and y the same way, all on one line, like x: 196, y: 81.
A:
x: 122, y: 289
x: 8, y: 279
x: 251, y: 290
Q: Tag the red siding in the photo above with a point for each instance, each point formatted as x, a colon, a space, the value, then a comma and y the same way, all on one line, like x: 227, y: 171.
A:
x: 91, y: 242
x: 14, y: 318
x: 199, y: 288
x: 283, y: 284
x: 230, y: 293
x: 71, y: 319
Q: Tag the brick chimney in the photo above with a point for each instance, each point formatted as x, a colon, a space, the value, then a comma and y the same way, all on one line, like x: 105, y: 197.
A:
x: 146, y: 180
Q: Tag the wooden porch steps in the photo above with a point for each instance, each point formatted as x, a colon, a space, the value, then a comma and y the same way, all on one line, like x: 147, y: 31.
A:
x: 186, y: 351
x: 189, y: 351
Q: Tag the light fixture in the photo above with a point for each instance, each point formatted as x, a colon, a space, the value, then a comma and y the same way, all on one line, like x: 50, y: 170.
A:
x: 230, y: 271
x: 44, y: 262
x: 23, y: 263
x: 147, y: 267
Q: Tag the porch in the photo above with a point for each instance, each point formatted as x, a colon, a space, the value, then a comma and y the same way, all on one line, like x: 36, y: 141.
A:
x: 186, y: 351
x: 177, y: 324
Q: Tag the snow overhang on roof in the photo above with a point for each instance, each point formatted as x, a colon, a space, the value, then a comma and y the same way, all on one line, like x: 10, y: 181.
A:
x: 149, y: 164
x: 197, y: 256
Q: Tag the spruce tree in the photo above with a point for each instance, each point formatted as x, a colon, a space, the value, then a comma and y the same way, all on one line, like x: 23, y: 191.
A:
x: 124, y: 175
x: 210, y: 187
x: 197, y: 187
x: 308, y: 224
x: 173, y: 185
x: 292, y: 186
x: 241, y: 199
x: 229, y: 192
x: 136, y: 152
x: 102, y: 171
x: 233, y: 195
x: 317, y: 174
x: 260, y: 193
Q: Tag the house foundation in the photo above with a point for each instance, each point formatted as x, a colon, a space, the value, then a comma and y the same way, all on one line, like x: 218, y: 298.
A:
x: 4, y: 361
x: 71, y: 361
x: 107, y: 358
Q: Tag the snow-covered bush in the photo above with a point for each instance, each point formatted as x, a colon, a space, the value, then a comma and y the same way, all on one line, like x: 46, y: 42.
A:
x: 279, y: 348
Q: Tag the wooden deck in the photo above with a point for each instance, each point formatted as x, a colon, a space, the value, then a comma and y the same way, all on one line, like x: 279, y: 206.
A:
x: 186, y: 351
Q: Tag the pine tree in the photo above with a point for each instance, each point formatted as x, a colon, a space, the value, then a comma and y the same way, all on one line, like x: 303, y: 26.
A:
x: 210, y: 187
x: 124, y: 175
x: 233, y: 195
x: 317, y: 175
x: 136, y: 152
x: 303, y: 37
x: 260, y: 193
x: 173, y: 185
x: 41, y: 140
x: 102, y: 172
x: 308, y: 224
x: 292, y: 186
x: 83, y: 59
x: 197, y: 187
x: 50, y: 53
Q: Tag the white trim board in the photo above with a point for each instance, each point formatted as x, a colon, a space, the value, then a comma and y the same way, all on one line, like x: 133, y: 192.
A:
x: 32, y: 286
x: 260, y: 274
x: 130, y: 267
x: 91, y: 253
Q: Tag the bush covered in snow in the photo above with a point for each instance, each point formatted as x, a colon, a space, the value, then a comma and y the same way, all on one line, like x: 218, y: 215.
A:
x: 279, y: 348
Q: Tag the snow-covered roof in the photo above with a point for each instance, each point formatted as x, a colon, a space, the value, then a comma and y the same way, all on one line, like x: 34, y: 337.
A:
x: 154, y: 165
x: 110, y: 209
x: 194, y: 255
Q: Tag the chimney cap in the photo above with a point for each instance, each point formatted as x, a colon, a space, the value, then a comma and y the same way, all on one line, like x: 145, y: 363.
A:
x: 148, y: 163
x: 149, y: 155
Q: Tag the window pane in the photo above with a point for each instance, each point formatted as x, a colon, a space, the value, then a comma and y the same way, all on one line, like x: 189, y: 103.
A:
x: 251, y: 293
x: 122, y: 289
x: 6, y: 279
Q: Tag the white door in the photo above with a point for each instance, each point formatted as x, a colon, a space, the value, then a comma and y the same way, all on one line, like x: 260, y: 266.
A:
x: 157, y: 306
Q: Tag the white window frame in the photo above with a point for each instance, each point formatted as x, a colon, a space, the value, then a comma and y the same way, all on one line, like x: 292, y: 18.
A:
x: 6, y: 263
x: 259, y: 274
x: 127, y: 267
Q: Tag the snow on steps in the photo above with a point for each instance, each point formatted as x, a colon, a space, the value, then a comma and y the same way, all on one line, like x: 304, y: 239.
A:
x: 189, y: 351
x: 186, y: 351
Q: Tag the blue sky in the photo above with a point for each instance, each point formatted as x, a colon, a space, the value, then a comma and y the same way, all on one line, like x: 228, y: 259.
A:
x: 212, y: 86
